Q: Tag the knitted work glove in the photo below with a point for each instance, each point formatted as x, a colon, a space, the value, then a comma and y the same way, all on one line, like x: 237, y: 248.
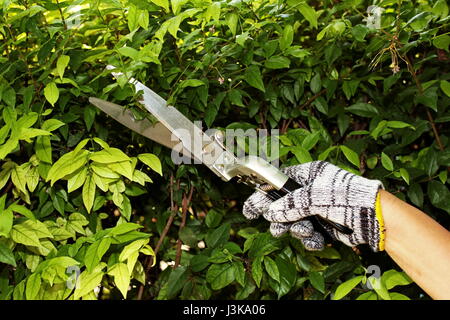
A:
x: 333, y: 193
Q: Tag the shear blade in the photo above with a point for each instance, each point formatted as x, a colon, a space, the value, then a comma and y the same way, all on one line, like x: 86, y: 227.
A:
x: 156, y: 132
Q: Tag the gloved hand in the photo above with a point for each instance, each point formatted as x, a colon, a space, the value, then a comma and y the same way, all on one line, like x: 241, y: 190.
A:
x: 328, y: 191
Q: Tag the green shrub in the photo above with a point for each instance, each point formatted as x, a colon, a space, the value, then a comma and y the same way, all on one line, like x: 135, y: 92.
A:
x: 373, y: 101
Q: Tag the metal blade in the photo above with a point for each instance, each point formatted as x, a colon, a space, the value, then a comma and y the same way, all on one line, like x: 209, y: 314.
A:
x: 156, y: 132
x: 199, y: 144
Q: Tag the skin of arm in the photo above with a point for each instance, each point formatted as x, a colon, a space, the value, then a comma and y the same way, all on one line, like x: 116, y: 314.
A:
x: 418, y: 244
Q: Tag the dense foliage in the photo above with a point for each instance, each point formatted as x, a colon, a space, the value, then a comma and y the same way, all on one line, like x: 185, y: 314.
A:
x: 76, y: 187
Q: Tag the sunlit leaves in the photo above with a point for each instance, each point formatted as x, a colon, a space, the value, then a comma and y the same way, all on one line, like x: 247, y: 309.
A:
x: 344, y: 288
x: 152, y: 161
x: 89, y: 192
x: 66, y: 165
x: 51, y: 93
x: 61, y: 65
x: 109, y: 155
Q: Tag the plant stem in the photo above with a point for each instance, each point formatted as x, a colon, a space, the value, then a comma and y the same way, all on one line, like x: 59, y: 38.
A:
x: 184, y: 208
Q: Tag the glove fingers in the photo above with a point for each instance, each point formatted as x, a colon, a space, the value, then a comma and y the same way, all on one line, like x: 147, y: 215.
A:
x: 314, y: 243
x: 278, y: 229
x: 255, y: 205
x: 291, y: 207
x: 299, y: 173
x: 302, y: 229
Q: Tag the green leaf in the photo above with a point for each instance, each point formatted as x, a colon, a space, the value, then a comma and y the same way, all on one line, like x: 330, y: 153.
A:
x: 177, y: 279
x: 232, y: 21
x: 445, y: 87
x: 316, y: 83
x: 51, y: 93
x: 88, y: 281
x: 124, y: 228
x: 6, y: 255
x: 386, y: 162
x: 405, y: 174
x: 22, y: 234
x: 350, y: 87
x: 257, y: 270
x: 254, y: 78
x: 317, y: 281
x: 67, y: 164
x: 33, y: 286
x: 218, y: 236
x: 89, y: 192
x: 191, y: 83
x: 132, y: 248
x: 239, y: 272
x: 397, y: 124
x: 277, y: 62
x: 398, y: 296
x: 302, y: 155
x: 286, y: 37
x: 37, y: 227
x: 415, y: 194
x: 368, y: 296
x: 272, y: 268
x: 213, y: 11
x: 393, y: 278
x: 76, y: 179
x: 220, y: 275
x: 363, y: 110
x: 152, y: 161
x: 379, y: 287
x: 442, y: 42
x: 6, y: 220
x: 351, y: 155
x: 121, y: 277
x: 95, y: 252
x: 288, y: 277
x: 263, y: 244
x: 61, y: 65
x: 109, y: 155
x: 309, y: 13
x: 9, y: 96
x: 104, y: 171
x: 19, y: 178
x: 344, y: 288
x: 429, y: 98
x: 439, y: 195
x: 359, y: 32
x: 124, y: 168
x: 43, y: 149
x: 213, y: 218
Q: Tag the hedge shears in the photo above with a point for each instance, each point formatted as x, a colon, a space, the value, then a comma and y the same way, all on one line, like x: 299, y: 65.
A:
x: 178, y: 133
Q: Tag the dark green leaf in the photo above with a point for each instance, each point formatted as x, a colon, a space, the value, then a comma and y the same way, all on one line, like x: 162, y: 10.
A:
x: 218, y: 236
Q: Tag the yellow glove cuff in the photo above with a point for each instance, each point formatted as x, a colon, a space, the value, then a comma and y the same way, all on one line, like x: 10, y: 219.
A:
x: 380, y: 220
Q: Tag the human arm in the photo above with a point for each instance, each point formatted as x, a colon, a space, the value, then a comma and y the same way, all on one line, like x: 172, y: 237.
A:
x: 418, y: 244
x: 415, y: 241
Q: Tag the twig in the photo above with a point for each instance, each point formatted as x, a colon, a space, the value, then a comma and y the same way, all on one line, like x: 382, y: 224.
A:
x: 62, y: 16
x: 184, y: 208
x: 420, y: 89
x: 311, y: 100
x: 149, y: 261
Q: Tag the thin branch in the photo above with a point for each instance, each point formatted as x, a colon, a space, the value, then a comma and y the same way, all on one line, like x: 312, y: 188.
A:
x: 420, y: 89
x: 311, y: 100
x: 184, y: 208
x: 62, y: 16
x: 149, y: 261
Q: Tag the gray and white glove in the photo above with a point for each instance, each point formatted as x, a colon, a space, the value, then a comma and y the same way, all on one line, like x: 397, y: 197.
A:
x: 330, y: 192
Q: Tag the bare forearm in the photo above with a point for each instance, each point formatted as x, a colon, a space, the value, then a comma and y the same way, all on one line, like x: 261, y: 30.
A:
x: 418, y: 244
